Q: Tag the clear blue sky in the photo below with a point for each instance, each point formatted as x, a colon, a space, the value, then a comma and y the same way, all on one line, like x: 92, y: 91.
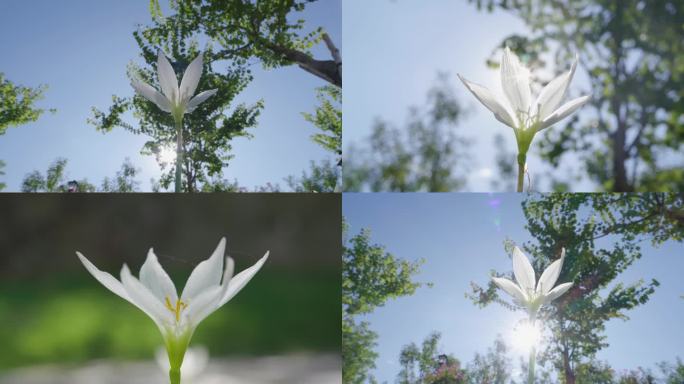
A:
x: 80, y: 49
x: 395, y: 50
x: 461, y: 237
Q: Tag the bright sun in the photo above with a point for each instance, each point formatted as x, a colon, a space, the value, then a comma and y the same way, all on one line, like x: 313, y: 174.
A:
x: 167, y: 155
x: 525, y: 336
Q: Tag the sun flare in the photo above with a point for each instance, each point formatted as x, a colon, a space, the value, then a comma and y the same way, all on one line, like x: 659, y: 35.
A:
x: 167, y: 155
x: 526, y: 336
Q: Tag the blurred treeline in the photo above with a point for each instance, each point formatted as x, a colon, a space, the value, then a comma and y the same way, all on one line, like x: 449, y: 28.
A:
x: 52, y: 310
x: 628, y: 138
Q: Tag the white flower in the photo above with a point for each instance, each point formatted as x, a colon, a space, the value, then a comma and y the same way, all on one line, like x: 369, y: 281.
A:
x: 174, y: 99
x: 517, y: 110
x: 209, y: 286
x: 526, y: 292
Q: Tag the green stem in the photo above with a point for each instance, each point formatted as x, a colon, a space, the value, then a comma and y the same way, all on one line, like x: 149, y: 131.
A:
x: 530, y: 366
x: 175, y: 376
x: 179, y: 153
x: 521, y: 172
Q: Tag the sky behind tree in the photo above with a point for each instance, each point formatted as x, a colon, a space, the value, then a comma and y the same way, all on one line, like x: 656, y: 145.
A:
x: 81, y: 48
x: 461, y: 238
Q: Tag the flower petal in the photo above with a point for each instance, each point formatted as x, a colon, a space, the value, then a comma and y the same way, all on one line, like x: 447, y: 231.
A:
x: 489, y: 100
x: 241, y: 279
x: 552, y: 94
x: 515, y: 80
x: 206, y: 275
x: 151, y: 94
x: 550, y: 275
x: 144, y: 299
x: 557, y: 292
x: 153, y: 276
x: 511, y: 288
x: 191, y: 78
x: 167, y: 78
x: 208, y: 301
x: 564, y: 111
x: 199, y: 99
x: 524, y: 273
x: 106, y: 279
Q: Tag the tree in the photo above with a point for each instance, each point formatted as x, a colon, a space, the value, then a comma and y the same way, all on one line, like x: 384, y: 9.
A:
x: 55, y: 180
x: 428, y: 365
x: 267, y: 30
x: 632, y: 51
x: 323, y: 178
x: 576, y: 222
x: 208, y: 131
x: 17, y: 104
x: 370, y: 277
x: 494, y: 367
x: 425, y: 155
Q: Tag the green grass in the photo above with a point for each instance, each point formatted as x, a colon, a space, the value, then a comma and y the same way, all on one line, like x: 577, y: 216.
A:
x: 71, y: 320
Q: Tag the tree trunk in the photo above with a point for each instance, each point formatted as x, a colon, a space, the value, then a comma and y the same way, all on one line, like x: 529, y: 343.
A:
x: 328, y: 70
x: 620, y: 182
x: 567, y: 370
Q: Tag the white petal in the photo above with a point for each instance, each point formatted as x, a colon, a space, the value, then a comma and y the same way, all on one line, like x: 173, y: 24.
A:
x: 191, y: 78
x: 552, y: 94
x: 564, y: 111
x: 241, y: 279
x: 199, y: 99
x: 511, y: 288
x: 206, y: 275
x: 515, y: 80
x: 153, y: 276
x: 167, y: 78
x: 151, y: 94
x: 106, y: 279
x: 144, y: 299
x: 557, y: 292
x: 550, y: 275
x: 208, y: 301
x: 489, y: 100
x: 524, y: 273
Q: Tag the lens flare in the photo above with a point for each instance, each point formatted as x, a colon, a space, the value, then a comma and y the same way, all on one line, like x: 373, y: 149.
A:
x: 525, y: 336
x: 167, y: 155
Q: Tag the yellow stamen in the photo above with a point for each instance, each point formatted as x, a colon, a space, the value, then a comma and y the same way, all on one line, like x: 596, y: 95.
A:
x: 179, y: 307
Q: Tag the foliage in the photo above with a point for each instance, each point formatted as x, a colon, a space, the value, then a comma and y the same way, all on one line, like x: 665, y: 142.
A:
x: 55, y: 180
x: 577, y: 222
x: 2, y: 173
x: 208, y: 131
x: 328, y: 118
x: 422, y: 156
x: 427, y: 365
x: 323, y: 178
x: 17, y: 104
x: 494, y: 367
x: 370, y: 277
x: 632, y: 51
x: 269, y: 31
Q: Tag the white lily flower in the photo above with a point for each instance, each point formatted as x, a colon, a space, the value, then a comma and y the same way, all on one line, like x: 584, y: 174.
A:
x: 527, y: 292
x: 174, y: 99
x: 517, y: 109
x: 210, y: 286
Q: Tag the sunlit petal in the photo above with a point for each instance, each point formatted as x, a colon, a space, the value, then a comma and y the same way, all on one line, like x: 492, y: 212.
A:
x: 153, y: 276
x: 557, y: 292
x: 199, y: 99
x: 241, y: 279
x: 106, y: 279
x: 490, y: 101
x: 523, y: 271
x: 206, y: 274
x: 167, y: 78
x: 151, y: 94
x: 564, y: 111
x: 552, y: 94
x: 550, y: 275
x: 511, y: 288
x: 144, y: 299
x: 515, y: 80
x: 190, y: 80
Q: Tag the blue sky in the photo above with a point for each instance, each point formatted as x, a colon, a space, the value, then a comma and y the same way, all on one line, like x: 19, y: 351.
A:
x: 395, y: 50
x: 461, y: 237
x: 80, y: 49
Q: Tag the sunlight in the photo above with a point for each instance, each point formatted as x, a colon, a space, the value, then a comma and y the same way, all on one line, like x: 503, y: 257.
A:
x: 525, y: 336
x: 167, y: 155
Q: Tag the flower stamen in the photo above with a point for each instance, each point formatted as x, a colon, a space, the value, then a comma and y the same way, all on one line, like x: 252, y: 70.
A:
x: 177, y: 309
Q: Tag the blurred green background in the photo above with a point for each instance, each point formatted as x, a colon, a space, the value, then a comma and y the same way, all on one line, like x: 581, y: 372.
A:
x: 53, y: 311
